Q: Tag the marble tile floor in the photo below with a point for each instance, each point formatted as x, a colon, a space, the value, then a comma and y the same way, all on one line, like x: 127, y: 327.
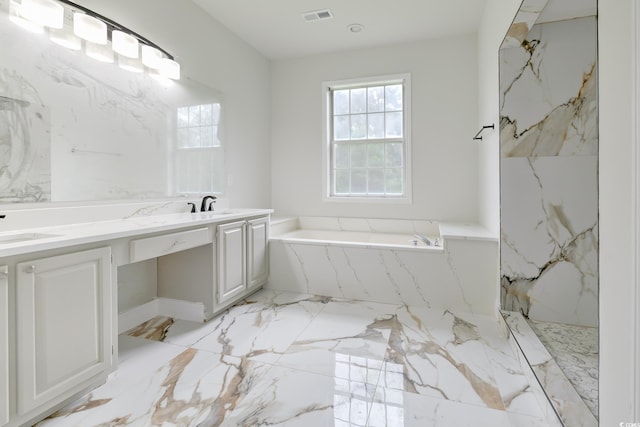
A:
x: 561, y: 394
x: 285, y: 359
x: 575, y: 350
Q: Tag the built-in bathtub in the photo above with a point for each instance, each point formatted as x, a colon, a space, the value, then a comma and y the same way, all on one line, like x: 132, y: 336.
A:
x: 387, y: 261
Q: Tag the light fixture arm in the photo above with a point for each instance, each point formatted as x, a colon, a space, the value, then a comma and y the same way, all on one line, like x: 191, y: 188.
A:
x: 114, y: 25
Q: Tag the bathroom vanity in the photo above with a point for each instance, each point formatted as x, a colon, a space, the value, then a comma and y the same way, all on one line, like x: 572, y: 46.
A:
x: 59, y: 315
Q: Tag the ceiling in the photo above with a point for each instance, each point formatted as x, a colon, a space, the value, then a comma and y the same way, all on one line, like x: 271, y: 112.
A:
x: 277, y: 29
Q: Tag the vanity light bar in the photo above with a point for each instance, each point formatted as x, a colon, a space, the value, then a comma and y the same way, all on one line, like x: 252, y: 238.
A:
x: 102, y: 36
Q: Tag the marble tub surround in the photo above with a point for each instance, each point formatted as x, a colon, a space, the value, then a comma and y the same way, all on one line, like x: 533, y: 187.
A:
x: 292, y: 359
x: 569, y: 405
x: 549, y: 174
x: 449, y: 277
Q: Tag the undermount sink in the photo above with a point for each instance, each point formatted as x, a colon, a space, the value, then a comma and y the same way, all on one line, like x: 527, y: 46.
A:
x: 23, y: 237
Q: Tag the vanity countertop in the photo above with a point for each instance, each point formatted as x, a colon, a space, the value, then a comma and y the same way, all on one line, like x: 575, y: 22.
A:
x: 55, y: 237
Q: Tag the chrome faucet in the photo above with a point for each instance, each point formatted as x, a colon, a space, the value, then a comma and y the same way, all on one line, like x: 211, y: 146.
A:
x: 425, y: 239
x: 203, y: 206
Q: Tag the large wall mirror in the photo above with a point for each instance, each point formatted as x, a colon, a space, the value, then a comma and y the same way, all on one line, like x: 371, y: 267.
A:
x: 549, y: 198
x: 76, y: 129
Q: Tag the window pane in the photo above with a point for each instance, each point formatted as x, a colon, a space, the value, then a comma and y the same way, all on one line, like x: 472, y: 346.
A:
x: 342, y: 181
x: 341, y: 128
x: 376, y: 125
x: 215, y: 113
x: 394, y: 181
x: 375, y: 99
x: 359, y: 126
x: 183, y: 117
x: 375, y: 155
x: 341, y: 102
x: 194, y: 115
x: 194, y: 137
x: 358, y: 155
x: 206, y: 136
x: 393, y: 98
x: 393, y: 125
x: 341, y: 156
x: 393, y: 158
x: 183, y: 138
x: 216, y: 137
x: 376, y: 181
x: 359, y: 181
x: 206, y: 115
x: 358, y: 101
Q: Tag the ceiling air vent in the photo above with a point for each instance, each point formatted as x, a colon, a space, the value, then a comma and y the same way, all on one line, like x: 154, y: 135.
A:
x: 317, y: 15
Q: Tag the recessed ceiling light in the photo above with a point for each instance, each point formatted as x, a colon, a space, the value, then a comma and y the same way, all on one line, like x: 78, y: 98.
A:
x: 355, y: 28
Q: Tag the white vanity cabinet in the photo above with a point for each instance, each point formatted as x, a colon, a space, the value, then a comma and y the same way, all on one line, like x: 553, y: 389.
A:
x: 63, y: 335
x: 232, y: 252
x: 257, y: 252
x: 221, y: 273
x: 4, y: 344
x: 242, y: 258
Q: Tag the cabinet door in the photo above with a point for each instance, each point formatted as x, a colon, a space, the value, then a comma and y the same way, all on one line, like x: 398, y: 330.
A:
x: 257, y: 252
x: 231, y: 260
x: 4, y: 344
x: 63, y: 312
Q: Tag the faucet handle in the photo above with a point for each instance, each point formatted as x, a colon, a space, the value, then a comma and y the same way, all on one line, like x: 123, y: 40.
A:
x: 213, y: 200
x: 193, y: 207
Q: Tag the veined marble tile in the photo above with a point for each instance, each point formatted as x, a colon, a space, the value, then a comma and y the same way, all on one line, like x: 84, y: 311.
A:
x: 549, y: 250
x: 516, y: 389
x: 575, y: 350
x: 278, y: 396
x: 548, y: 99
x: 348, y: 339
x: 523, y: 22
x: 566, y: 401
x: 260, y: 331
x: 440, y: 355
x: 397, y: 408
x: 443, y: 377
x: 436, y: 279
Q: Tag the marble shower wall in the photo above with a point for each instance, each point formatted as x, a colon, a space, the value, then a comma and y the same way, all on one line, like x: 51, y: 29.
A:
x: 76, y: 129
x: 549, y: 174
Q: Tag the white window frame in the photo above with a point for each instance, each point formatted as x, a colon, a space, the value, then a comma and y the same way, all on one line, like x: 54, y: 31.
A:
x: 406, y: 197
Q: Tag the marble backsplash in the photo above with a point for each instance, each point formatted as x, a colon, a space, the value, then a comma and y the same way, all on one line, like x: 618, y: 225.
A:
x: 549, y: 174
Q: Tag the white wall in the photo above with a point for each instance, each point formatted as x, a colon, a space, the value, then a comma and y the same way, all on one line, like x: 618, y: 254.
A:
x: 444, y: 111
x: 211, y: 54
x: 619, y: 390
x: 496, y: 20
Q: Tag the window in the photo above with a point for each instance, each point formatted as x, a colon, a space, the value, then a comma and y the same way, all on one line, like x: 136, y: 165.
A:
x: 367, y: 148
x: 199, y: 154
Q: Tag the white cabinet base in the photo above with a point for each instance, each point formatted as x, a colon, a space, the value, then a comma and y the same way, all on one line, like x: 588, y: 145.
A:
x: 63, y: 325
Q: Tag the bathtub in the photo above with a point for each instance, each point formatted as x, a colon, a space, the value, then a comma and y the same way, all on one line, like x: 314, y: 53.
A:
x: 385, y: 261
x: 357, y: 239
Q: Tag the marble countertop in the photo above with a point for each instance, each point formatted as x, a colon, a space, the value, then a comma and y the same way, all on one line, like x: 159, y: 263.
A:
x: 56, y: 237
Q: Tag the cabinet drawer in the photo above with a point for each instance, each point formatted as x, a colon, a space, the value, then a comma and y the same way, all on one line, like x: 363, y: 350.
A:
x: 152, y: 247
